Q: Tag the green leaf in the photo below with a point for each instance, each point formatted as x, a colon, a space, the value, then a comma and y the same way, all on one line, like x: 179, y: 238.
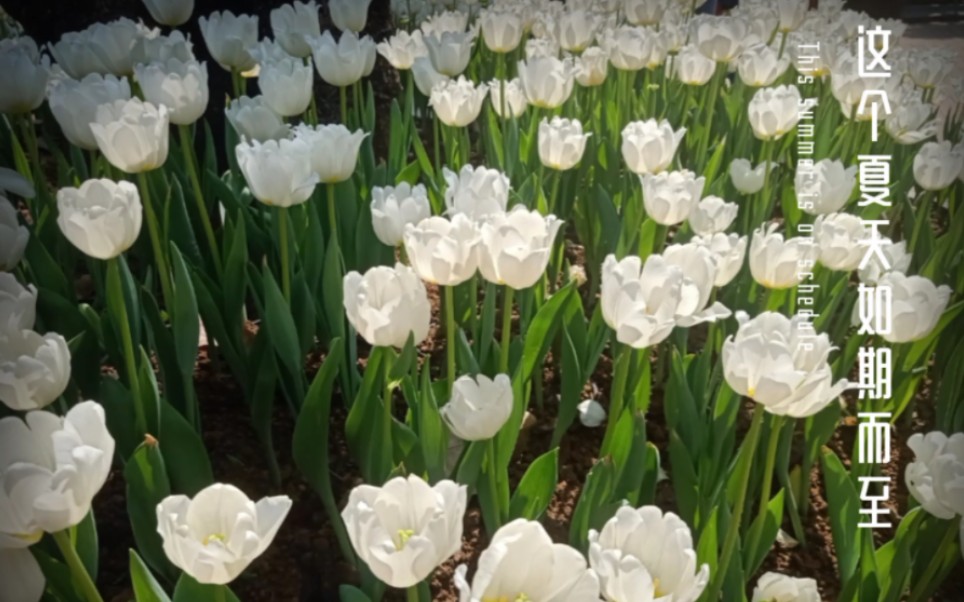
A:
x: 147, y: 484
x: 86, y: 543
x: 765, y: 528
x: 843, y: 507
x: 189, y: 590
x: 350, y: 593
x: 185, y: 457
x: 310, y: 440
x: 593, y: 507
x: 146, y: 587
x: 282, y: 331
x: 532, y: 496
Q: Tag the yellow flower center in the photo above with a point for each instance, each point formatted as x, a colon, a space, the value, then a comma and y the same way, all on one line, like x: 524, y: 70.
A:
x: 30, y: 538
x: 657, y: 593
x: 218, y: 537
x: 403, y: 536
x: 521, y: 597
x: 751, y: 391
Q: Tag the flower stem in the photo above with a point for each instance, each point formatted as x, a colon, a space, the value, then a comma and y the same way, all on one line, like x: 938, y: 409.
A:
x: 285, y: 261
x: 118, y: 307
x: 190, y: 161
x: 450, y: 333
x: 343, y: 103
x: 506, y: 334
x: 154, y: 230
x: 616, y: 395
x: 78, y: 572
x: 714, y: 89
x: 733, y: 529
x: 411, y: 594
x: 30, y: 140
x: 332, y: 215
x: 387, y: 415
x: 776, y: 425
x: 920, y: 590
x: 493, y: 476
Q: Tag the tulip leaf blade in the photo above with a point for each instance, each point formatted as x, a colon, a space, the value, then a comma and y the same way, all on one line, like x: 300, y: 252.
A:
x: 763, y: 530
x: 843, y: 504
x: 594, y: 506
x: 186, y: 459
x: 282, y: 331
x: 148, y: 484
x: 146, y: 587
x: 189, y: 590
x: 534, y: 492
x: 350, y: 593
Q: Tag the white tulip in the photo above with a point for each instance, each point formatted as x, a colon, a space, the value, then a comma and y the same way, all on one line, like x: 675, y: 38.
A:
x: 253, y: 119
x: 443, y: 251
x: 101, y: 48
x: 746, y: 178
x: 917, y: 305
x: 774, y: 112
x: 791, y: 13
x: 591, y: 67
x: 824, y: 188
x: 170, y: 12
x: 501, y: 30
x: 760, y: 65
x: 13, y: 236
x: 591, y: 413
x: 406, y: 528
x: 719, y: 38
x: 449, y: 51
x: 542, y: 48
x: 349, y: 15
x: 395, y: 207
x: 937, y: 165
x: 386, y: 305
x: 181, y: 87
x: 475, y: 191
x: 897, y: 259
x: 162, y: 48
x: 936, y: 476
x: 229, y: 39
x: 286, y: 85
x: 74, y: 104
x: 267, y: 51
x: 699, y: 265
x: 522, y: 563
x: 21, y: 579
x: 479, y: 406
x: 546, y: 81
x: 729, y: 251
x: 23, y: 75
x: 132, y: 134
x: 692, y: 67
x: 574, y: 30
x: 344, y: 62
x: 778, y: 362
x: 669, y: 197
x: 911, y: 122
x: 217, y: 534
x: 846, y: 83
x: 448, y: 20
x: 457, y: 103
x: 649, y: 146
x: 777, y: 263
x: 34, y: 369
x: 645, y: 12
x: 292, y: 24
x: 52, y: 468
x: 841, y: 240
x: 102, y: 218
x: 776, y: 587
x: 278, y: 172
x: 402, y: 48
x: 515, y: 98
x: 928, y: 69
x: 561, y: 143
x: 13, y: 181
x: 671, y: 564
x: 634, y: 48
x: 515, y: 247
x: 18, y: 304
x: 333, y: 150
x: 425, y: 75
x: 712, y: 215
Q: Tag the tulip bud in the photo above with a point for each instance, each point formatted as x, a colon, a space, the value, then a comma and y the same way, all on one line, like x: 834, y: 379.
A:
x: 476, y: 191
x: 34, y: 369
x: 778, y: 263
x: 287, y: 85
x: 712, y: 215
x: 669, y: 197
x: 501, y: 30
x: 746, y: 178
x: 841, y: 239
x: 561, y: 143
x: 344, y: 62
x: 278, y: 172
x: 591, y: 413
x: 479, y: 407
x: 937, y: 165
x: 387, y: 305
x: 591, y: 67
x: 729, y: 252
x: 18, y: 304
x: 292, y: 25
x: 824, y: 188
x: 334, y: 150
x: 515, y: 98
x: 917, y: 305
x: 101, y: 48
x: 102, y: 218
x: 516, y: 246
x: 775, y: 586
x: 443, y: 251
x: 457, y: 103
x: 229, y: 37
x: 170, y: 12
x: 13, y: 236
x: 759, y: 65
x: 774, y: 111
x: 23, y: 75
x: 692, y: 67
x: 132, y: 135
x: 402, y: 48
x: 216, y: 535
x: 449, y: 51
x: 896, y: 259
x: 253, y: 119
x: 933, y: 478
x: 349, y: 15
x: 394, y: 208
x: 546, y: 81
x: 181, y: 87
x: 649, y: 146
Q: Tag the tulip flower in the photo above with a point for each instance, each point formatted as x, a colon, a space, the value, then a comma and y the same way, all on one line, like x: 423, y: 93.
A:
x: 591, y: 413
x: 74, y: 104
x: 910, y: 122
x: 479, y: 407
x: 23, y: 75
x: 449, y: 51
x: 292, y: 24
x: 18, y: 304
x: 824, y: 188
x: 402, y: 48
x: 253, y: 119
x: 671, y: 565
x: 170, y: 12
x: 917, y: 305
x: 279, y: 173
x: 791, y: 13
x: 104, y: 48
x: 515, y: 103
x: 516, y: 246
x: 649, y: 146
x: 425, y: 75
x: 13, y: 236
x: 443, y: 251
x: 333, y: 150
x: 935, y: 478
x: 522, y: 563
x: 719, y: 38
x: 181, y: 87
x: 395, y: 207
x: 501, y: 30
x: 897, y: 259
x: 841, y: 239
x: 132, y: 134
x: 699, y: 265
x: 447, y: 20
x: 729, y: 251
x: 561, y: 143
x: 21, y: 577
x: 692, y: 67
x: 574, y: 30
x: 386, y: 305
x: 162, y: 48
x: 746, y: 178
x: 670, y: 196
x: 542, y: 48
x: 286, y: 85
x: 406, y: 528
x: 760, y: 65
x: 268, y: 51
x: 102, y: 218
x: 217, y: 534
x: 349, y: 15
x: 457, y: 103
x: 634, y: 48
x: 776, y: 587
x: 765, y: 362
x: 644, y: 12
x: 846, y: 82
x: 777, y: 263
x: 591, y: 67
x: 475, y: 191
x: 34, y: 369
x: 229, y: 38
x: 344, y: 62
x: 712, y: 215
x: 546, y: 81
x: 13, y: 181
x: 937, y: 165
x: 774, y: 112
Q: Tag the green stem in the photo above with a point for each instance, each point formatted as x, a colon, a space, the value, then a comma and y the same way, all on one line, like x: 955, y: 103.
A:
x: 81, y: 577
x: 238, y: 83
x: 387, y: 412
x: 118, y: 307
x: 438, y: 153
x: 285, y: 261
x: 714, y: 89
x: 733, y: 528
x: 343, y: 103
x: 154, y: 230
x: 38, y: 180
x: 920, y: 589
x: 776, y: 425
x: 766, y: 153
x: 493, y: 476
x: 190, y: 160
x: 450, y: 333
x: 411, y: 594
x: 616, y: 395
x: 506, y: 334
x: 332, y: 215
